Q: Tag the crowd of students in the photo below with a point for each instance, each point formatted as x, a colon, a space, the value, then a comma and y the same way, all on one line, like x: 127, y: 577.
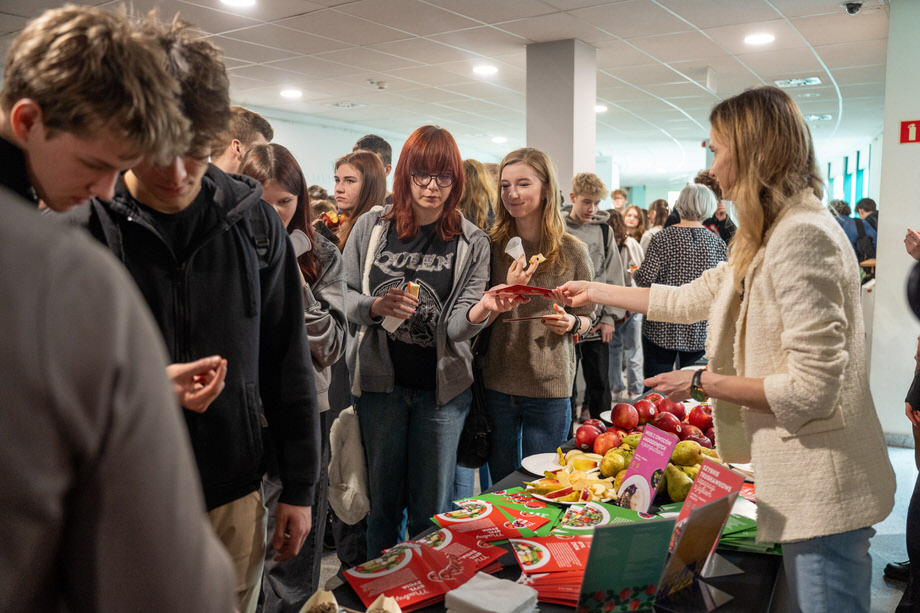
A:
x: 275, y: 317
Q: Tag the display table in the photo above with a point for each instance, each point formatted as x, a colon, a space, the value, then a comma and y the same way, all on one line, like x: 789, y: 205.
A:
x: 751, y: 589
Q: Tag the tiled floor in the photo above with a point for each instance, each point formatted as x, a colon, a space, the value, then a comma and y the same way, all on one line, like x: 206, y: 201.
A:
x: 887, y: 545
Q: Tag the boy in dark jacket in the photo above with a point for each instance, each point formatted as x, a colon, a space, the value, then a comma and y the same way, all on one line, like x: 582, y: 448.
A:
x: 215, y: 265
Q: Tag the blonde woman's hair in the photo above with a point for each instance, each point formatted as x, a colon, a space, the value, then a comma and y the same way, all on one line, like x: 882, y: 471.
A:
x: 553, y: 225
x: 770, y: 148
x: 478, y: 196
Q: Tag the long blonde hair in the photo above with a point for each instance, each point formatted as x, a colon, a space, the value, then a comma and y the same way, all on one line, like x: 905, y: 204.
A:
x: 770, y: 148
x: 553, y: 225
x: 639, y: 230
x: 478, y: 197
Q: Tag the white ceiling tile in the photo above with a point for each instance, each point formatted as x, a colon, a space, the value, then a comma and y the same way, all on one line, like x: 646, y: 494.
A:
x: 207, y: 19
x: 484, y: 41
x: 860, y: 74
x: 632, y: 18
x: 432, y: 51
x: 346, y: 28
x: 837, y: 27
x: 645, y: 75
x: 263, y: 11
x: 783, y: 64
x: 860, y: 53
x: 240, y: 50
x: 731, y: 38
x: 553, y: 27
x: 714, y: 13
x: 368, y: 59
x: 492, y: 11
x: 285, y: 38
x: 11, y: 23
x: 680, y: 46
x: 315, y: 68
x: 425, y: 19
x: 618, y: 53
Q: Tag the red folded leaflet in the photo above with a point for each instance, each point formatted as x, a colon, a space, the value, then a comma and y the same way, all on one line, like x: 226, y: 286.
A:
x: 551, y: 554
x: 522, y: 290
x: 484, y: 521
x: 414, y: 574
x: 463, y: 546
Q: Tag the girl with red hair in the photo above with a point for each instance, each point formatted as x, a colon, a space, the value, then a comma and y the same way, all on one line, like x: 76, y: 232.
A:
x: 410, y: 361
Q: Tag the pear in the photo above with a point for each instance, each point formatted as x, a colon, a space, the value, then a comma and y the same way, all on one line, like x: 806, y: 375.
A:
x: 691, y: 471
x: 612, y: 463
x: 712, y: 453
x: 618, y: 480
x: 687, y: 453
x: 632, y: 440
x: 678, y: 483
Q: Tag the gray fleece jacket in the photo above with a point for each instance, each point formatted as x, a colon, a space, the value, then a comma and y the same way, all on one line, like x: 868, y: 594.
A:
x: 608, y: 266
x: 324, y: 315
x: 368, y: 356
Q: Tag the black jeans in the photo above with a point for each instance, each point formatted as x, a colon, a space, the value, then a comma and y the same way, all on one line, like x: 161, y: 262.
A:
x: 595, y: 364
x: 910, y: 601
x: 657, y: 359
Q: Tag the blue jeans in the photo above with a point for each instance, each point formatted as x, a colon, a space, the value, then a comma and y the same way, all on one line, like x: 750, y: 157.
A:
x: 465, y: 481
x: 522, y: 426
x: 830, y: 573
x: 411, y: 447
x: 627, y: 337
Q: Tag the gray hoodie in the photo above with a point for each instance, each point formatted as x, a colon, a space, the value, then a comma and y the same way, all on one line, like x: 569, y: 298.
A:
x: 368, y: 356
x: 608, y: 267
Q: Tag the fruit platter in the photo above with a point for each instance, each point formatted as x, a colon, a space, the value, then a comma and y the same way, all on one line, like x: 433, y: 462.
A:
x: 612, y: 448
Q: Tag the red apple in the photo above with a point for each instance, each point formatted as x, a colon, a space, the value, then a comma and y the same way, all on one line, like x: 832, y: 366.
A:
x: 688, y: 430
x: 654, y: 397
x: 619, y: 431
x: 639, y: 428
x: 667, y: 422
x: 702, y: 439
x: 624, y: 416
x: 584, y: 437
x: 596, y: 423
x: 646, y: 410
x: 676, y: 408
x: 701, y: 417
x: 605, y: 441
x: 711, y: 435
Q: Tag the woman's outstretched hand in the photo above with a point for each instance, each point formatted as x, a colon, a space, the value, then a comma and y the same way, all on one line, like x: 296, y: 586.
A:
x: 573, y: 293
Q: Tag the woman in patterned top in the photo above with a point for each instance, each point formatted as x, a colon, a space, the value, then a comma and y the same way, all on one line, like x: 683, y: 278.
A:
x: 677, y: 255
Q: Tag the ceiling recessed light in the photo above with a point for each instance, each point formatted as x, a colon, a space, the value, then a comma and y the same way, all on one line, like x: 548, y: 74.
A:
x: 760, y: 38
x: 291, y: 93
x: 798, y: 82
x: 600, y: 108
x: 824, y: 117
x: 498, y: 140
x: 238, y: 3
x: 485, y: 69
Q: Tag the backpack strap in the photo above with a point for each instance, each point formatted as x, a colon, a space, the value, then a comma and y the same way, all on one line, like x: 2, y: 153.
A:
x: 605, y: 231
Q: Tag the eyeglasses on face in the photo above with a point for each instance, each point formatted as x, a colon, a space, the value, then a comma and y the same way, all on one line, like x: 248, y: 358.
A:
x: 423, y: 179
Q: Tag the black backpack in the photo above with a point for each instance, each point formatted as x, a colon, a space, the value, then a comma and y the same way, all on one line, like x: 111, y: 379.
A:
x: 865, y: 246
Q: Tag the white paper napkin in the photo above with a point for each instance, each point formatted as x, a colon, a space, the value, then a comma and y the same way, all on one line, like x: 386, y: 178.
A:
x: 485, y: 593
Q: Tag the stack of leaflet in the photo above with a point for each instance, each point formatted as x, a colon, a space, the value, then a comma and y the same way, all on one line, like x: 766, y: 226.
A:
x: 418, y: 573
x: 500, y: 515
x: 553, y: 565
x: 740, y: 531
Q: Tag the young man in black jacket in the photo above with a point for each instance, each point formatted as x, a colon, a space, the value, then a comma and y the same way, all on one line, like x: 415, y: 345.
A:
x: 215, y: 265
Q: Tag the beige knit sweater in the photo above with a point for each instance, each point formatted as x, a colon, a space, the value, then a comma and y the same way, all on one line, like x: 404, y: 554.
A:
x: 526, y: 358
x: 820, y: 460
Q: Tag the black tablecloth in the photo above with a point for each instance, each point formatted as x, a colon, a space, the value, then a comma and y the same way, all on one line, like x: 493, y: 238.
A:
x: 752, y: 589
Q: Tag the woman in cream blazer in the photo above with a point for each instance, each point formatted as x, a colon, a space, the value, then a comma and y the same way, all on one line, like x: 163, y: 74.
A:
x: 786, y: 346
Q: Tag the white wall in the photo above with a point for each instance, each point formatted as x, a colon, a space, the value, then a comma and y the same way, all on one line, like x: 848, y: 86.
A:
x: 895, y: 329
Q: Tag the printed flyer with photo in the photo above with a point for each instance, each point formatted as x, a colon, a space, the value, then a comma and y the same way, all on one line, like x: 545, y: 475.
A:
x: 582, y: 519
x: 624, y: 566
x: 550, y: 554
x: 640, y: 484
x: 483, y: 520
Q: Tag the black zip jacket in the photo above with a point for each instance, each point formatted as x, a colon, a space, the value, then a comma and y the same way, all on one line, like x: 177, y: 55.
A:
x: 237, y: 294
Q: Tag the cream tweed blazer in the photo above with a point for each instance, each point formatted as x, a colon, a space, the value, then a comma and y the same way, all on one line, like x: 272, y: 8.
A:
x: 820, y: 458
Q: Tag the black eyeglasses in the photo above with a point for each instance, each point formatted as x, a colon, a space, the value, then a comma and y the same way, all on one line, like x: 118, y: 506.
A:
x: 423, y: 179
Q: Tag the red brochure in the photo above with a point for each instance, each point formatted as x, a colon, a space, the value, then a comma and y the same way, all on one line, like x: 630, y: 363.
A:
x: 414, y: 574
x: 522, y: 290
x: 484, y: 521
x: 551, y: 554
x: 463, y: 546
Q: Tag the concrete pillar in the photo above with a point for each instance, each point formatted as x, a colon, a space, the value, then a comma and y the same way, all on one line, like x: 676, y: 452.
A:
x: 895, y: 329
x: 561, y: 94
